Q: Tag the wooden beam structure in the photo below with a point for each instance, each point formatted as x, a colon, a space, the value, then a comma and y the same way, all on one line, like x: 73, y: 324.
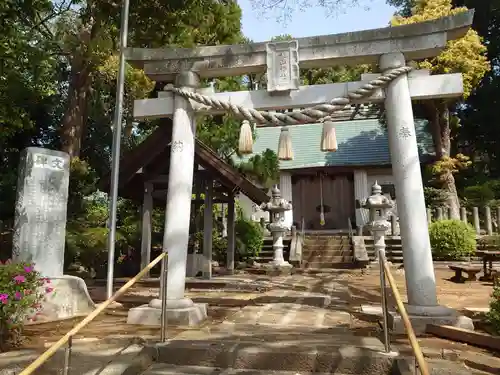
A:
x: 150, y: 162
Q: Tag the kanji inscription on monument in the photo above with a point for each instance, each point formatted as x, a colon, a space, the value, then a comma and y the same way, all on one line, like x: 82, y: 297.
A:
x: 282, y: 66
x: 40, y: 222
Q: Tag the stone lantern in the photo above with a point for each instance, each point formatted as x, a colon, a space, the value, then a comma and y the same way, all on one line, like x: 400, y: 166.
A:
x: 380, y: 208
x: 276, y: 208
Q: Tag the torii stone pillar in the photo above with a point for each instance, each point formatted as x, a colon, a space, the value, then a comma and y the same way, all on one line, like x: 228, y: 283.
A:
x: 146, y: 212
x: 417, y: 256
x: 180, y: 310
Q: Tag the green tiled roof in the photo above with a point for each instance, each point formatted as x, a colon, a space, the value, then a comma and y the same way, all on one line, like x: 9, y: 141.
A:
x: 360, y: 142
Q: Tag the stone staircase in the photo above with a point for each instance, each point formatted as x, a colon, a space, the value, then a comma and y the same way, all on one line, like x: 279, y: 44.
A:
x: 327, y: 251
x: 393, y: 250
x: 267, y: 252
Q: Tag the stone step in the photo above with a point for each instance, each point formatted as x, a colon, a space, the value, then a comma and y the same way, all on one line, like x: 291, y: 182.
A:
x: 326, y: 246
x: 388, y: 245
x: 166, y: 369
x: 321, y: 236
x: 339, y: 354
x: 326, y: 242
x: 266, y: 250
x: 329, y: 259
x: 387, y: 242
x: 398, y: 366
x: 260, y: 259
x: 347, y: 263
x: 320, y: 251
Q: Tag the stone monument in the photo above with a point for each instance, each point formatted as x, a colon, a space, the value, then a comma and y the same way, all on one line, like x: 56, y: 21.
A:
x: 277, y: 207
x: 40, y: 229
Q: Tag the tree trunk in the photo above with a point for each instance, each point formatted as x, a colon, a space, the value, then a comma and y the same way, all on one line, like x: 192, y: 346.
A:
x: 75, y: 116
x: 439, y: 118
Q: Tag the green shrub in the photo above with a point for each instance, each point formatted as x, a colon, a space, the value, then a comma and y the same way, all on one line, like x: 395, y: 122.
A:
x: 22, y: 289
x: 249, y: 239
x: 452, y: 240
x: 478, y: 195
x: 493, y: 316
x: 88, y: 247
x: 434, y: 197
x: 219, y: 245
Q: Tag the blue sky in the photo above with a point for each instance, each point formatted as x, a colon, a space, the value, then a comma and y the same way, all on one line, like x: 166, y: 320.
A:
x: 371, y: 14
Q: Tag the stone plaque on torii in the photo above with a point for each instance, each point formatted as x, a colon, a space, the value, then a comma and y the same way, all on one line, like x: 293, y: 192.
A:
x: 396, y: 86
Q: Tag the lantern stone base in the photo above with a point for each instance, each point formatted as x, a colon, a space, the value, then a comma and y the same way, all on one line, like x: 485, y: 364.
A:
x: 281, y: 269
x: 183, y: 312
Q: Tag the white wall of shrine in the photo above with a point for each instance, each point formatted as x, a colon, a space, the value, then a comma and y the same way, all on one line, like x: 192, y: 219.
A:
x: 363, y: 182
x: 253, y: 212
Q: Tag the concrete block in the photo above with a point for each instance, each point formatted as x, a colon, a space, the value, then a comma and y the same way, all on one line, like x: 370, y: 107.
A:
x: 150, y: 316
x: 420, y: 322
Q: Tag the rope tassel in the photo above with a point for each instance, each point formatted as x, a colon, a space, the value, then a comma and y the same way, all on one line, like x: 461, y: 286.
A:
x: 285, y: 151
x: 245, y: 142
x: 328, y: 137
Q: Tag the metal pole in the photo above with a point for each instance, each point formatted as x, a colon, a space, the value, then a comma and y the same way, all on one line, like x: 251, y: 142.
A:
x: 67, y: 356
x: 163, y: 296
x: 115, y: 151
x: 385, y: 313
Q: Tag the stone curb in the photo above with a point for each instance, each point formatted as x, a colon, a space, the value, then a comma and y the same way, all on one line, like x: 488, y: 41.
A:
x: 258, y: 356
x: 132, y: 361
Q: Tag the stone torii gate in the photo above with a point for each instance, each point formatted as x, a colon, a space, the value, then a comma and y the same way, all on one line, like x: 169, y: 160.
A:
x: 396, y: 86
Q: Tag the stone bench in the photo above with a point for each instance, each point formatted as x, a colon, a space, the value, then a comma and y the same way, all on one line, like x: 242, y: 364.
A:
x: 459, y: 269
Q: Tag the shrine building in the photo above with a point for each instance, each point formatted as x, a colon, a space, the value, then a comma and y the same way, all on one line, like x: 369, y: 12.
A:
x: 334, y: 181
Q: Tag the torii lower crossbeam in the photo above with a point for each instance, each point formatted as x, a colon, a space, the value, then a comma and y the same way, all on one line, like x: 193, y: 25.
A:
x: 422, y: 86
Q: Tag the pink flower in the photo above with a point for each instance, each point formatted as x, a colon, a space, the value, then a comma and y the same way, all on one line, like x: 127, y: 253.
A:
x: 46, y: 280
x: 19, y: 279
x: 28, y: 269
x: 18, y: 295
x: 48, y: 289
x: 4, y: 297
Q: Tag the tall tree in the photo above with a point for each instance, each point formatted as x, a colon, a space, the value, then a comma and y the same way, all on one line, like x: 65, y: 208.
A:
x: 480, y: 134
x: 404, y: 7
x: 84, y: 34
x: 466, y: 55
x: 28, y: 91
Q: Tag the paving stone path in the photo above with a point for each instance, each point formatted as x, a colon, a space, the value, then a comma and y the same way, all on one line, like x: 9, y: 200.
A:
x: 298, y: 323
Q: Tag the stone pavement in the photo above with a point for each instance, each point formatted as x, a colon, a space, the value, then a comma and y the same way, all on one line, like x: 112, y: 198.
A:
x: 298, y: 324
x: 301, y: 324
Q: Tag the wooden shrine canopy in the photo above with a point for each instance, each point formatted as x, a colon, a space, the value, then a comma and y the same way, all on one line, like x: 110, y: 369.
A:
x: 151, y: 159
